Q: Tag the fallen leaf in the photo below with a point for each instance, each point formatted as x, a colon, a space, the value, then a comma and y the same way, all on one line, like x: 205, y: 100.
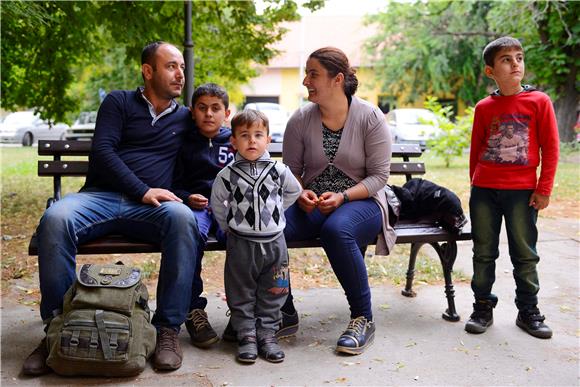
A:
x: 565, y: 308
x: 384, y: 306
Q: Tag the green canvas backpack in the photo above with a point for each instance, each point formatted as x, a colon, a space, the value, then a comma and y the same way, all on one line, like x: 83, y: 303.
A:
x: 105, y: 327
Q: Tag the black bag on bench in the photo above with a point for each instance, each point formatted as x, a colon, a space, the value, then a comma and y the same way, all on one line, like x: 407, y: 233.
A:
x: 105, y: 327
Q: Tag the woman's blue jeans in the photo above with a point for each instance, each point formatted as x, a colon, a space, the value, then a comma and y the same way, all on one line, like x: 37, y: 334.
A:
x: 487, y: 207
x: 344, y: 235
x: 86, y: 215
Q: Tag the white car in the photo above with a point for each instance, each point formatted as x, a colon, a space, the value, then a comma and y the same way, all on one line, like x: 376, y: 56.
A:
x: 83, y: 128
x: 277, y: 116
x: 27, y: 128
x: 412, y: 126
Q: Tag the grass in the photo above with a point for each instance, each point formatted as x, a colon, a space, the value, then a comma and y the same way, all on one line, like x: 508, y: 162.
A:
x: 24, y: 195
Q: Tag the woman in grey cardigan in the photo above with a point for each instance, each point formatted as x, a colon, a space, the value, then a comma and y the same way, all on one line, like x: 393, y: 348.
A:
x: 339, y: 148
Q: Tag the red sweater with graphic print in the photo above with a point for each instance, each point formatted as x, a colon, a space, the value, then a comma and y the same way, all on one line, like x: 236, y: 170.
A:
x: 511, y: 137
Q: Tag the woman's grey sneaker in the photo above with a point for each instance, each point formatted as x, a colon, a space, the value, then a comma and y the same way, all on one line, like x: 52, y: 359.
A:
x: 268, y: 346
x: 481, y: 318
x: 201, y: 333
x: 289, y: 327
x: 248, y: 348
x: 359, y: 335
x: 531, y: 321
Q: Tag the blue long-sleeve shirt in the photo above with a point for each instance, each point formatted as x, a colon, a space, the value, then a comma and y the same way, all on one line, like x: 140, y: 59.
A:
x: 131, y: 152
x: 199, y: 162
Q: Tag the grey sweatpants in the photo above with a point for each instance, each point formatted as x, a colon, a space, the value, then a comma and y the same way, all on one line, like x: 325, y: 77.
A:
x: 256, y: 278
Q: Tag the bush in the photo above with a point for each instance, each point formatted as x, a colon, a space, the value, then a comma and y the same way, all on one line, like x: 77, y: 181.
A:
x: 455, y: 137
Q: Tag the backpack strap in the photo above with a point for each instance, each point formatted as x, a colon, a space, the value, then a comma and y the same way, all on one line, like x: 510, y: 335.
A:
x: 99, y: 319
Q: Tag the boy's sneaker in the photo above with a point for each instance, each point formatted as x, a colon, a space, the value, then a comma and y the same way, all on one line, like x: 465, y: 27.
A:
x: 531, y: 321
x: 481, y: 318
x: 359, y: 335
x: 289, y: 327
x: 248, y: 347
x: 201, y: 333
x: 168, y: 355
x: 268, y: 346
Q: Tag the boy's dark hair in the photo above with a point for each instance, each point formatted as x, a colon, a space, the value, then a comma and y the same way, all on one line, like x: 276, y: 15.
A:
x: 212, y: 90
x: 335, y: 61
x: 491, y: 50
x: 148, y: 53
x: 248, y: 117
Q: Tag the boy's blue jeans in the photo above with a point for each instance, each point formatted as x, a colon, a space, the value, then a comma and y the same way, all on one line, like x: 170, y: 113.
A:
x: 344, y: 235
x: 206, y: 224
x: 487, y: 207
x: 86, y: 215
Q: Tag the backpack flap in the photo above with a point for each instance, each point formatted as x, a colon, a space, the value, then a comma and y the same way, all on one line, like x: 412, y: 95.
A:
x: 109, y: 287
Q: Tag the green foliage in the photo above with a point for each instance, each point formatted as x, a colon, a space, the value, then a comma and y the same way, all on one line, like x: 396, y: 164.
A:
x: 455, y: 137
x: 434, y: 48
x: 57, y: 54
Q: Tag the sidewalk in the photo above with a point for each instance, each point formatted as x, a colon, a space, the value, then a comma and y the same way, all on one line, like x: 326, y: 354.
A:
x: 413, y: 345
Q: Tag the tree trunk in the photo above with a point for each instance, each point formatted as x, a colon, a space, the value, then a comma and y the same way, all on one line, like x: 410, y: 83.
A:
x: 566, y: 107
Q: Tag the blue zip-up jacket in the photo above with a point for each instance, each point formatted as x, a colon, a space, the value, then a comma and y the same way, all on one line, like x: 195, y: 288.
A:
x: 199, y: 162
x: 130, y: 153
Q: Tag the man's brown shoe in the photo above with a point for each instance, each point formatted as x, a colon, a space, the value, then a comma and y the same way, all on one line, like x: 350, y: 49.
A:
x: 35, y: 363
x: 168, y: 355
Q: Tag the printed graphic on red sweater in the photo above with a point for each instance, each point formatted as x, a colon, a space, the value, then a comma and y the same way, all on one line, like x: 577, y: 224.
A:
x: 508, y: 139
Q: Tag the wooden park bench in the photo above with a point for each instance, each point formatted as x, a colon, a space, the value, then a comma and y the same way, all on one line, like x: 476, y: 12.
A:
x: 417, y: 233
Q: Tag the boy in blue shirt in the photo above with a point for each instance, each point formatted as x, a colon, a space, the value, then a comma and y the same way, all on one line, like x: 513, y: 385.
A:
x: 206, y: 150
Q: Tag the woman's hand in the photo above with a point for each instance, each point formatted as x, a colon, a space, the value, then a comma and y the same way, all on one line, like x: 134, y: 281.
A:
x: 329, y: 201
x: 307, y: 201
x: 197, y: 201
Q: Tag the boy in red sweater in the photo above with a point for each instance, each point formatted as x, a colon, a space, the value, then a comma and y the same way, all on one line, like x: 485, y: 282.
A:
x: 511, y: 129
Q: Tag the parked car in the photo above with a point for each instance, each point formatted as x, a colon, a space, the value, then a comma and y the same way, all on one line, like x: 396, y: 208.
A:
x: 83, y: 127
x: 277, y: 116
x: 412, y: 126
x: 27, y: 128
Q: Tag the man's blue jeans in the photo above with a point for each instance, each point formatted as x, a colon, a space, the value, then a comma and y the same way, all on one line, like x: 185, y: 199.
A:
x: 344, y: 235
x: 487, y: 207
x: 86, y: 215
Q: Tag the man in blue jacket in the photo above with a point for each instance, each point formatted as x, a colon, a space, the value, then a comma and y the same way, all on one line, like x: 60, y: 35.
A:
x: 127, y: 190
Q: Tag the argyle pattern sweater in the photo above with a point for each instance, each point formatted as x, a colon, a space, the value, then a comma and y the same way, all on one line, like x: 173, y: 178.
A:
x: 249, y: 197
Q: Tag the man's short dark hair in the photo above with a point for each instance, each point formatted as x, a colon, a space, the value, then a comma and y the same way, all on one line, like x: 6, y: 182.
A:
x: 212, y: 90
x: 148, y: 53
x: 247, y: 118
x: 491, y: 50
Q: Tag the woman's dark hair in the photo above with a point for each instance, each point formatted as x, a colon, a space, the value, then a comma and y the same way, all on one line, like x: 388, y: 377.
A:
x: 335, y: 61
x: 212, y: 90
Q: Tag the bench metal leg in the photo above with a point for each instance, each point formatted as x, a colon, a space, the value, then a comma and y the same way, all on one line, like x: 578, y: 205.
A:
x: 447, y: 254
x: 408, y: 291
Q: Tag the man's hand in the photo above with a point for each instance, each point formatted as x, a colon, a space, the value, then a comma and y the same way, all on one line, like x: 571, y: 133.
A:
x: 155, y: 196
x: 197, y: 201
x: 539, y: 202
x: 329, y: 201
x: 307, y: 201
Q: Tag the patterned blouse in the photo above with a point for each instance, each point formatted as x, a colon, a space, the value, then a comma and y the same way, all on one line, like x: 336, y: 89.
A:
x: 331, y: 179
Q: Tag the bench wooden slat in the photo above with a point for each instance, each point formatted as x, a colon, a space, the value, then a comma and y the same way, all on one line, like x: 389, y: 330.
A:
x: 62, y: 168
x: 407, y: 168
x: 70, y: 148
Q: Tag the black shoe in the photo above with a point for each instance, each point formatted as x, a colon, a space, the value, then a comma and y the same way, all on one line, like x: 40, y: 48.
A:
x: 481, y: 318
x: 531, y: 321
x: 247, y: 348
x: 359, y: 335
x: 289, y: 327
x: 268, y: 346
x: 35, y: 363
x: 201, y: 333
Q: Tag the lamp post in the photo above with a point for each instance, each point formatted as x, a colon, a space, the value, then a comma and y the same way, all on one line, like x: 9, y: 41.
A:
x: 188, y: 55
